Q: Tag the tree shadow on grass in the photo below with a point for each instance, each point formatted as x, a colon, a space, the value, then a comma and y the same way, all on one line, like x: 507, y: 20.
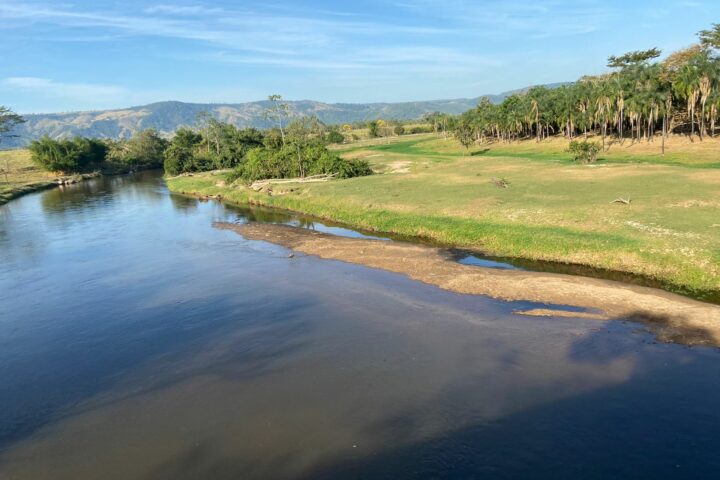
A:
x: 482, y: 151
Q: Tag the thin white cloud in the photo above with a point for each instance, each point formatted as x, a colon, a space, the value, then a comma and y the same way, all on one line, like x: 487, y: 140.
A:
x: 538, y: 19
x: 46, y: 86
x: 186, y: 10
x: 241, y: 30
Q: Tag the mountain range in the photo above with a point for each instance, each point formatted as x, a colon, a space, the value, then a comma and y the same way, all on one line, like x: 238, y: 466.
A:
x: 166, y: 117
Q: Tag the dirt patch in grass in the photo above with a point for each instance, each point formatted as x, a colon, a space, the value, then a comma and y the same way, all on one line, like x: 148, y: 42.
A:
x: 399, y: 167
x: 670, y: 317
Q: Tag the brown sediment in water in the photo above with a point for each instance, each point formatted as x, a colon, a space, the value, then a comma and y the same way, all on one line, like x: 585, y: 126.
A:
x: 671, y: 317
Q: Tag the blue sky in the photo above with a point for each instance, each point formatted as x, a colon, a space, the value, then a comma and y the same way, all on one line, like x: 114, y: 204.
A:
x: 82, y: 54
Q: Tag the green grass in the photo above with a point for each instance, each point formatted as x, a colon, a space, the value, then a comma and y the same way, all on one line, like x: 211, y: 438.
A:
x: 22, y: 175
x: 553, y: 209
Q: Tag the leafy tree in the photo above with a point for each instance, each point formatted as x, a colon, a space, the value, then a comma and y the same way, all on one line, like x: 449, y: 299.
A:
x: 633, y: 58
x: 180, y: 153
x: 710, y: 38
x: 78, y: 155
x: 273, y: 139
x: 146, y: 149
x: 373, y: 129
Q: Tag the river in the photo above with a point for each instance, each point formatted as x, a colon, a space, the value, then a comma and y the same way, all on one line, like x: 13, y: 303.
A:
x: 138, y: 341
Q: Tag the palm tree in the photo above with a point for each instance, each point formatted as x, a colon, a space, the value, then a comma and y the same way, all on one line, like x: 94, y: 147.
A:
x: 705, y: 88
x: 687, y: 87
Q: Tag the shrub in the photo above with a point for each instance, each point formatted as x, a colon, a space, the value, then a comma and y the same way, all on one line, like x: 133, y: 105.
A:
x: 373, y: 129
x: 334, y: 137
x: 329, y: 164
x: 584, y: 151
x: 399, y: 130
x: 68, y: 156
x: 426, y: 129
x: 293, y: 161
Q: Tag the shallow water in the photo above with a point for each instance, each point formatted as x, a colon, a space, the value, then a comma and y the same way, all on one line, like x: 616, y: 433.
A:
x: 139, y: 342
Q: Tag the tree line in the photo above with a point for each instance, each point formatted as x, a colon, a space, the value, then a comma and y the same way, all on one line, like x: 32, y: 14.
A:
x: 639, y: 99
x: 294, y: 148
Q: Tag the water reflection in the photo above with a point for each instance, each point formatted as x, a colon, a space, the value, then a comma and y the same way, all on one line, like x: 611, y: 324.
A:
x: 139, y: 342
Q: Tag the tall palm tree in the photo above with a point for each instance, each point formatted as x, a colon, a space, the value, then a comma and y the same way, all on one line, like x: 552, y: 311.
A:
x: 705, y: 88
x: 687, y: 87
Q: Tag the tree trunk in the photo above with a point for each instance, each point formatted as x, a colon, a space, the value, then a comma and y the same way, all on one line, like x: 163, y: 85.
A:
x: 692, y: 121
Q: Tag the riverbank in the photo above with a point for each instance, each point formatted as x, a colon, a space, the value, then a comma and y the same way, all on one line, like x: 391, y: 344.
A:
x: 670, y: 317
x: 24, y: 177
x: 21, y: 177
x: 543, y: 208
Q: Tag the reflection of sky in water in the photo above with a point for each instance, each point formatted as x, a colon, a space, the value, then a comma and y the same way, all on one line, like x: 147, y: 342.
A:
x: 487, y: 263
x: 136, y: 341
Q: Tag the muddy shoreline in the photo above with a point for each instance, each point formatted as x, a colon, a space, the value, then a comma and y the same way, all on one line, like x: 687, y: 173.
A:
x: 671, y: 317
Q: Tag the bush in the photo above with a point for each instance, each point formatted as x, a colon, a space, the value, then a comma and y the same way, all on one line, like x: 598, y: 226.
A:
x: 334, y: 137
x: 78, y: 155
x: 373, y: 129
x: 294, y: 162
x: 427, y: 129
x: 399, y: 130
x: 584, y: 151
x: 329, y: 164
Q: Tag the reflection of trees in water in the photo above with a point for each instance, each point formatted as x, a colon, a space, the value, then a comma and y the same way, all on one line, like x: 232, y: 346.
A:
x: 265, y: 215
x: 17, y: 238
x: 184, y: 204
x: 99, y: 193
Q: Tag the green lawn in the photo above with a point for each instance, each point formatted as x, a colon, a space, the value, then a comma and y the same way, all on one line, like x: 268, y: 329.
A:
x: 553, y: 209
x: 18, y: 175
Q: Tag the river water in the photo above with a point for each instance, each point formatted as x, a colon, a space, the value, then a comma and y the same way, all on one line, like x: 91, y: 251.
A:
x: 137, y: 341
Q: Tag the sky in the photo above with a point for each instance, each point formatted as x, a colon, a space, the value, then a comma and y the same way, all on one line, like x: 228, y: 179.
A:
x: 98, y: 54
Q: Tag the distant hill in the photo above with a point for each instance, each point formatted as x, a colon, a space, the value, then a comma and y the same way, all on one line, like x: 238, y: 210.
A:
x: 167, y: 117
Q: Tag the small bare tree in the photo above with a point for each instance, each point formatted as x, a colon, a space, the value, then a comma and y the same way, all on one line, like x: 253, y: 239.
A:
x: 8, y: 121
x: 277, y: 113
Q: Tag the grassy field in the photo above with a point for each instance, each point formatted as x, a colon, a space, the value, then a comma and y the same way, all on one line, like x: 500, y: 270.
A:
x: 19, y: 175
x: 552, y: 208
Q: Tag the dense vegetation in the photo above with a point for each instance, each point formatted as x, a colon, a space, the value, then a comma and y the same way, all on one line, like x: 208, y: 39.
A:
x: 167, y: 117
x: 78, y: 155
x: 639, y: 98
x: 297, y: 149
x: 143, y: 151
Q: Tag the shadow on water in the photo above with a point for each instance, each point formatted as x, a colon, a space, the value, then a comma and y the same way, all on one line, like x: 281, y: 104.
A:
x: 90, y: 366
x: 658, y: 423
x: 207, y: 356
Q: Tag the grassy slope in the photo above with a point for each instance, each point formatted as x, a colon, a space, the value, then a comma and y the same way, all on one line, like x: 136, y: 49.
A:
x: 23, y: 177
x: 553, y: 209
